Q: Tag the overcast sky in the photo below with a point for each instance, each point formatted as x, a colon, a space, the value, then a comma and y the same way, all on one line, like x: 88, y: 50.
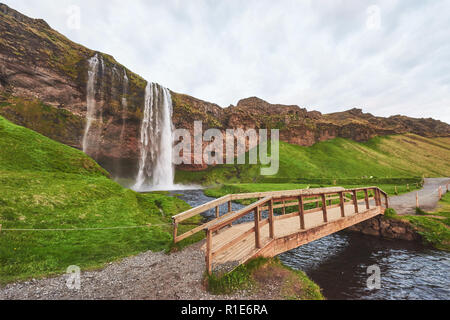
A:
x: 386, y: 57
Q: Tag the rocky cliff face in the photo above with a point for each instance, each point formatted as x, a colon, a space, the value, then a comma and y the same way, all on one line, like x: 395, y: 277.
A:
x: 43, y: 86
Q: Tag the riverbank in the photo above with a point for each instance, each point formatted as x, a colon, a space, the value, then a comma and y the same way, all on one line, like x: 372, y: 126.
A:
x: 159, y: 276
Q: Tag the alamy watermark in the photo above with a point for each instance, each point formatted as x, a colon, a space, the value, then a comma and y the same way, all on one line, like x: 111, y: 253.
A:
x: 373, y: 21
x: 374, y: 280
x: 215, y: 147
x: 73, y: 281
x: 73, y: 17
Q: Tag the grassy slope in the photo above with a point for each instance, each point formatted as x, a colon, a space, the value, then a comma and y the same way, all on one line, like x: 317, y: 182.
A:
x: 434, y: 227
x: 44, y: 184
x: 382, y: 157
x: 258, y: 273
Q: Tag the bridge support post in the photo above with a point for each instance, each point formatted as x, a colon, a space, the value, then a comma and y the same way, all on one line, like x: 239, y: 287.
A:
x: 175, y: 232
x: 208, y: 255
x: 257, y: 229
x: 355, y: 201
x: 342, y: 204
x: 229, y: 207
x: 366, y: 195
x: 377, y: 197
x: 271, y: 221
x: 301, y: 212
x: 324, y: 209
x: 217, y: 212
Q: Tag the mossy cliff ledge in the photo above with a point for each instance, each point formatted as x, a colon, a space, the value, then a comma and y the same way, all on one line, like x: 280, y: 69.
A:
x: 43, y: 86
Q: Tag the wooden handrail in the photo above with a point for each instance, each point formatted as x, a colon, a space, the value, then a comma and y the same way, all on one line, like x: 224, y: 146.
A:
x: 289, y: 198
x: 237, y: 215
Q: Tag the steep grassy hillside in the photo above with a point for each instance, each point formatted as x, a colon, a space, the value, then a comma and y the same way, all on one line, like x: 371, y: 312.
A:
x: 398, y: 156
x: 47, y: 185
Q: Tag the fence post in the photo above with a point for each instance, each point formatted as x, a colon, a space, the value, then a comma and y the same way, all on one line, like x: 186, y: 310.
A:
x: 366, y: 195
x: 217, y: 212
x: 257, y: 231
x: 324, y: 209
x: 175, y: 231
x: 229, y: 207
x: 271, y: 221
x: 301, y: 212
x: 417, y: 200
x: 355, y: 201
x: 440, y: 192
x: 208, y: 255
x: 342, y: 204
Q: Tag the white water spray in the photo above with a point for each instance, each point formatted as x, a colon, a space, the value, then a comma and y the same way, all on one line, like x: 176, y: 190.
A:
x: 156, y: 170
x: 90, y: 99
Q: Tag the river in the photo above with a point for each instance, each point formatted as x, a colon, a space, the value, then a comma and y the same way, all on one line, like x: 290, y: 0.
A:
x: 338, y: 264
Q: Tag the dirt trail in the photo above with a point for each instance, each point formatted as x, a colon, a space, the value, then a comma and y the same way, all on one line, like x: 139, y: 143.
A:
x: 428, y: 197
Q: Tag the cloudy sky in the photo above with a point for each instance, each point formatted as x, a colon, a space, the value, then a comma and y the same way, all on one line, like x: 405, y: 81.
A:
x: 387, y: 57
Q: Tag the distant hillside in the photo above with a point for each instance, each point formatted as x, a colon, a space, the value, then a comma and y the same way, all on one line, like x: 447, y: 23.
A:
x: 397, y: 156
x: 43, y: 86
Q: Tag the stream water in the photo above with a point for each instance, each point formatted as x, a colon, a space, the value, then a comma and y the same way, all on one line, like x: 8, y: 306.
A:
x: 338, y: 264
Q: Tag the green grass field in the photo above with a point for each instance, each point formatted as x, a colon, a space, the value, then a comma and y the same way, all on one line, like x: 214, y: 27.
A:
x: 47, y: 185
x: 388, y: 158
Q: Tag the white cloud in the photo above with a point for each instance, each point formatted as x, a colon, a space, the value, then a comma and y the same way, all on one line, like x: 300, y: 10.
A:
x: 316, y: 54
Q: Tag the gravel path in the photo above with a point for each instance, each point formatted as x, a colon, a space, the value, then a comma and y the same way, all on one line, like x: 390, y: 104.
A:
x: 148, y: 276
x: 428, y: 197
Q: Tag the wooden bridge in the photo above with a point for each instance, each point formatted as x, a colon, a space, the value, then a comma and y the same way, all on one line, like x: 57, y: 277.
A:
x: 279, y: 221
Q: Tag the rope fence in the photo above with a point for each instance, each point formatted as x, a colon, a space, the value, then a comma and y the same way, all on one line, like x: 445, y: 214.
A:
x: 88, y: 229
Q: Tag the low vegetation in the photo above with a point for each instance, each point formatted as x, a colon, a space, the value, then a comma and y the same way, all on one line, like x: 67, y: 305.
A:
x: 434, y: 227
x: 262, y: 275
x: 47, y: 185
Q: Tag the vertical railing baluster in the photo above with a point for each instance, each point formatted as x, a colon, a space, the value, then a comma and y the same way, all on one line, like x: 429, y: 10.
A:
x: 366, y: 195
x: 271, y: 221
x: 342, y: 204
x: 355, y: 201
x: 208, y: 255
x: 301, y: 212
x: 257, y: 230
x: 324, y: 208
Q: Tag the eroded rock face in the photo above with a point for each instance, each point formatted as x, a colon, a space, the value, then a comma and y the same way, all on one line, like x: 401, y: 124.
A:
x: 43, y: 86
x: 387, y: 228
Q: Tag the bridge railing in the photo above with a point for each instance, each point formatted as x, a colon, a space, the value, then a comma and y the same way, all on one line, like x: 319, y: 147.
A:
x: 217, y: 205
x: 324, y: 201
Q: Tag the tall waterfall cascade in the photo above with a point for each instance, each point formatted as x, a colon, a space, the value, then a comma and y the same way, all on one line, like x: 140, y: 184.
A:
x: 90, y: 101
x: 156, y: 169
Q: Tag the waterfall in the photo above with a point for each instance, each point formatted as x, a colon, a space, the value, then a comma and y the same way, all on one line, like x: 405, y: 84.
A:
x: 90, y: 100
x: 156, y: 168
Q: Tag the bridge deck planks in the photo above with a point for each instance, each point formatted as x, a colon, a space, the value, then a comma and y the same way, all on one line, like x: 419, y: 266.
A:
x: 245, y: 248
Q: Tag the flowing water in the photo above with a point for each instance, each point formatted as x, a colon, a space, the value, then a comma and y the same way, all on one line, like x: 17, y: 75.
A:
x: 338, y: 264
x: 90, y: 101
x: 156, y: 170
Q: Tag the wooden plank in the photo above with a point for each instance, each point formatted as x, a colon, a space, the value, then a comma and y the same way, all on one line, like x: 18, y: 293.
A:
x: 175, y: 232
x: 200, y: 209
x: 271, y: 221
x: 324, y: 208
x: 257, y: 229
x: 342, y: 204
x: 293, y: 241
x: 208, y: 255
x: 301, y: 211
x: 237, y: 215
x: 355, y: 201
x: 233, y: 242
x: 366, y: 196
x: 286, y: 216
x: 285, y: 193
